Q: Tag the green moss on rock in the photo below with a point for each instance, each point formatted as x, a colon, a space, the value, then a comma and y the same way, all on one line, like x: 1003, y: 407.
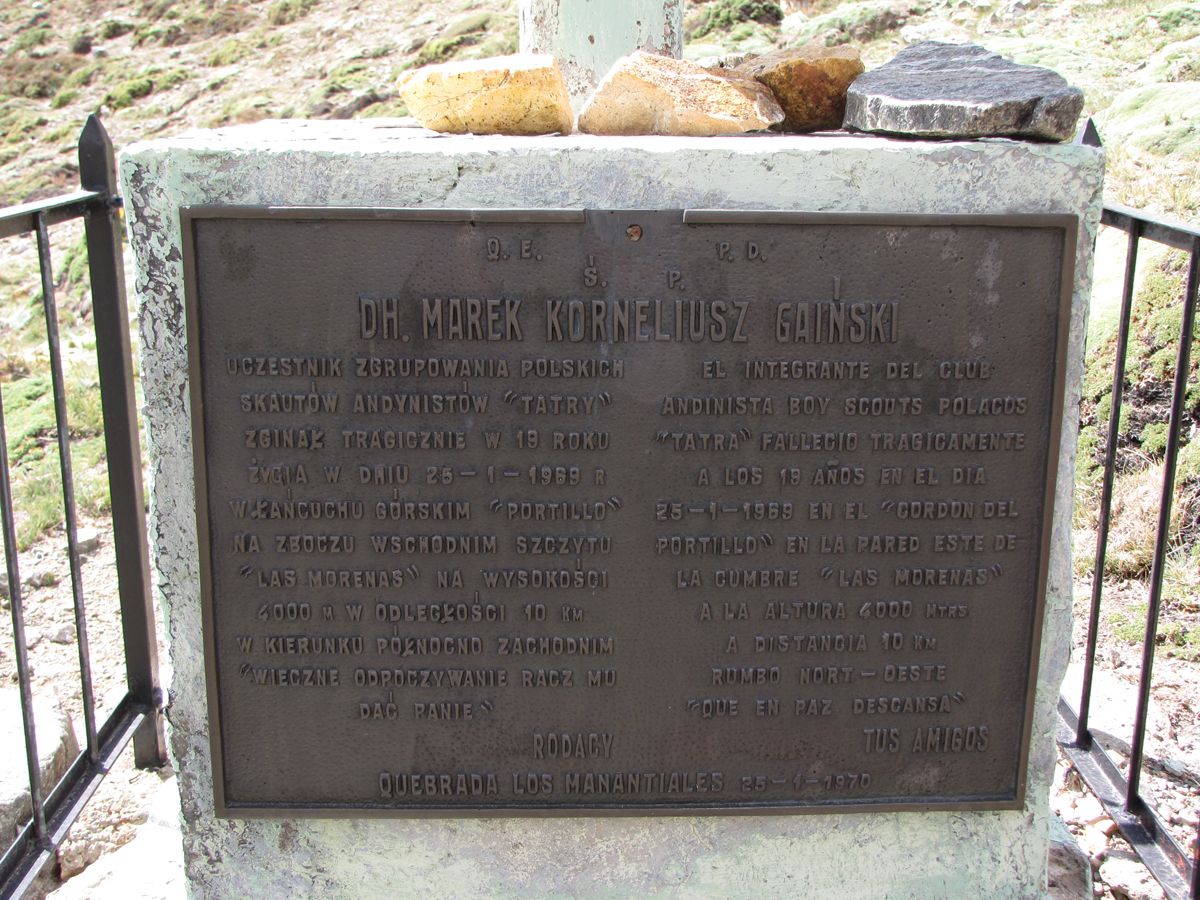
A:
x: 1177, y: 19
x: 284, y: 12
x: 227, y: 53
x: 142, y: 85
x: 725, y: 15
x: 471, y: 37
x: 862, y: 21
x: 113, y: 28
x: 1162, y: 118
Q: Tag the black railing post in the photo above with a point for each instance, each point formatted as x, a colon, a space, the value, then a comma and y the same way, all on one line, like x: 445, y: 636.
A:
x: 1083, y: 736
x: 8, y: 528
x: 97, y: 172
x: 1133, y: 800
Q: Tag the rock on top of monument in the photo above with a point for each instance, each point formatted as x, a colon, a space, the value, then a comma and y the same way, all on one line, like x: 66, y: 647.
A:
x: 809, y: 82
x: 648, y: 94
x: 934, y: 89
x: 521, y: 94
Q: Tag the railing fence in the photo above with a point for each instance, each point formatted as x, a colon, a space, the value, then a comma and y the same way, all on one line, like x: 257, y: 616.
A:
x: 1121, y: 795
x: 138, y: 716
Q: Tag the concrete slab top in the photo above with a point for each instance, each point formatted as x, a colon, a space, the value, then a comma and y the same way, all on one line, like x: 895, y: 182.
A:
x: 403, y: 135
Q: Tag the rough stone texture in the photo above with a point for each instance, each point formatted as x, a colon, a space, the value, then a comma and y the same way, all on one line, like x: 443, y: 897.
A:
x: 1124, y: 873
x: 57, y: 747
x: 154, y: 855
x: 809, y: 82
x: 648, y: 94
x: 588, y: 36
x: 521, y: 94
x: 87, y: 540
x: 995, y: 854
x: 1069, y: 871
x: 962, y: 90
x: 1155, y: 119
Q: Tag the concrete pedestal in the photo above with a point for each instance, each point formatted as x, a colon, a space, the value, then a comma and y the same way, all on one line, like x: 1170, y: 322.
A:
x: 588, y: 36
x: 925, y: 855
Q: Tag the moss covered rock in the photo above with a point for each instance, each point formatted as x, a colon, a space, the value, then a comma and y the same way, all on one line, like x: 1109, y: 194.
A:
x: 1162, y: 119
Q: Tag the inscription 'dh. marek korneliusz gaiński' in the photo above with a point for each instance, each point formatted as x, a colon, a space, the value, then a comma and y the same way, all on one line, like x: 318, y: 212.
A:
x: 553, y: 510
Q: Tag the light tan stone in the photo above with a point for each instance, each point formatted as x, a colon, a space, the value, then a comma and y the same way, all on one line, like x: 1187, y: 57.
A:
x: 519, y: 94
x: 809, y: 82
x: 648, y: 94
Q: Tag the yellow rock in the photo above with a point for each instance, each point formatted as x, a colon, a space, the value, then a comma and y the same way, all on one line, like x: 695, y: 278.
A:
x: 648, y: 94
x: 519, y: 94
x: 809, y: 82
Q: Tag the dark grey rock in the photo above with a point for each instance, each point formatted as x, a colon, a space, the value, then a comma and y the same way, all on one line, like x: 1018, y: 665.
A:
x: 1068, y: 871
x: 41, y: 578
x: 87, y: 540
x: 962, y: 91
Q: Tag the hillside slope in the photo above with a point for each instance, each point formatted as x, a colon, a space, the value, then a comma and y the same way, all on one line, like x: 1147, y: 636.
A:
x: 158, y: 67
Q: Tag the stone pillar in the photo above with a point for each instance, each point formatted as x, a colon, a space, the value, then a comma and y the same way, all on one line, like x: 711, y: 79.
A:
x: 588, y: 36
x: 998, y: 853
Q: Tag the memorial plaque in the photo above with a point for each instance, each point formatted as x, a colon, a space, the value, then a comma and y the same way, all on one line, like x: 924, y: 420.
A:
x: 622, y: 511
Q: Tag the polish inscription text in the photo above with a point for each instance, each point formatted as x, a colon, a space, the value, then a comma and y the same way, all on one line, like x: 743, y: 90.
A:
x: 637, y: 513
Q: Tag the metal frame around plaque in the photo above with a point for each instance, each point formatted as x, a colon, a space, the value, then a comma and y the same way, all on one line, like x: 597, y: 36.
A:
x: 611, y: 228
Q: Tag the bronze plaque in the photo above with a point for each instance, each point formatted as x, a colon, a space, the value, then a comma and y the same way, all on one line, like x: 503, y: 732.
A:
x: 622, y: 511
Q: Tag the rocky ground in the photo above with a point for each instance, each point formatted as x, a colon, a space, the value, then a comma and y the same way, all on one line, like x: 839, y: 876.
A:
x: 123, y: 801
x: 1171, y: 777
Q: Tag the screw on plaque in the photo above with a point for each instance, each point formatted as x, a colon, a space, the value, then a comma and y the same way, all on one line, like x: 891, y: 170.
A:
x: 634, y: 232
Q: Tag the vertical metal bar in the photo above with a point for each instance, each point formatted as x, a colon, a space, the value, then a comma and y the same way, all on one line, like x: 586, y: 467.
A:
x: 68, y: 484
x: 97, y: 172
x: 12, y: 558
x: 1182, y: 364
x: 1083, y: 737
x: 1194, y: 888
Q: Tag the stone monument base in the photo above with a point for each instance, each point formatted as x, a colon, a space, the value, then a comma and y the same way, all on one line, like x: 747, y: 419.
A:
x: 375, y: 163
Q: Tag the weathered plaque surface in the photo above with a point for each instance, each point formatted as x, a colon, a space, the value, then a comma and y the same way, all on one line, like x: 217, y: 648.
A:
x: 622, y: 511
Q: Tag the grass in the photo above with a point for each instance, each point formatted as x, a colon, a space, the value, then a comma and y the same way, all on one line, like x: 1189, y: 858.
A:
x: 33, y: 454
x: 63, y: 98
x: 351, y: 76
x: 284, y: 12
x: 1175, y: 637
x: 129, y: 91
x: 474, y: 36
x: 1179, y: 19
x: 25, y: 386
x: 227, y: 53
x: 32, y: 37
x: 724, y: 15
x: 113, y: 28
x: 1142, y: 438
x: 143, y: 85
x: 859, y: 22
x: 37, y: 77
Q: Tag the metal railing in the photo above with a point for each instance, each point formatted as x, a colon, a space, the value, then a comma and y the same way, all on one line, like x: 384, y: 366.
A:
x: 138, y: 715
x: 1121, y: 795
